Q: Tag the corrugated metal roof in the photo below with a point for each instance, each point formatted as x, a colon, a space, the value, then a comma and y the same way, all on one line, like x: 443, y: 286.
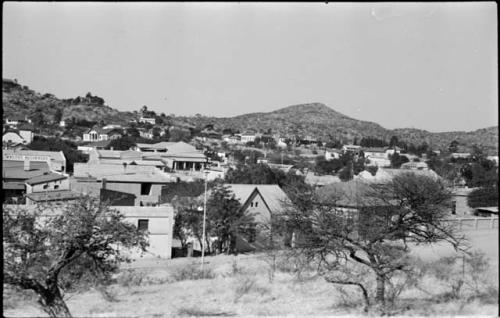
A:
x: 352, y: 193
x: 139, y: 178
x: 52, y: 176
x: 54, y: 155
x: 53, y: 195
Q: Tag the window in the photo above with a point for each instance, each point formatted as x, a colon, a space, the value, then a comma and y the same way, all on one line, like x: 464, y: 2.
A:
x: 145, y: 188
x: 251, y: 204
x: 256, y: 204
x: 143, y: 225
x: 56, y: 187
x: 45, y: 186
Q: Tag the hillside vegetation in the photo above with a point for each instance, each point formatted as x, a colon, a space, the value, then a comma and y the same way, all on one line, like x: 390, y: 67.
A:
x: 313, y: 120
x: 21, y: 101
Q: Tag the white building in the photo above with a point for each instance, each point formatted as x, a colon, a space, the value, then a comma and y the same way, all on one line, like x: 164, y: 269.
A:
x: 332, y: 154
x: 149, y: 120
x: 247, y: 138
x: 55, y: 159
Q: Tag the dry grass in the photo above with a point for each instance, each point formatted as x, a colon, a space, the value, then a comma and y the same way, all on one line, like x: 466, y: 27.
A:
x: 239, y: 286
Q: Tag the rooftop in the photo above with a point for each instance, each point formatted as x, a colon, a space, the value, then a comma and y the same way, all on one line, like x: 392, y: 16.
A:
x: 54, y: 155
x: 15, y: 169
x: 272, y: 194
x: 53, y: 195
x: 46, y: 177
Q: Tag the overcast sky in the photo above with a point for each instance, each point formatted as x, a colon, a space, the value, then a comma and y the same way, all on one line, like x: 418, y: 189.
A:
x: 428, y: 66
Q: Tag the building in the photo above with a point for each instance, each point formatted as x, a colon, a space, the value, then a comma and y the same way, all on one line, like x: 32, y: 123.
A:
x: 331, y: 154
x: 385, y: 175
x: 157, y: 221
x: 31, y: 181
x: 352, y: 148
x: 460, y: 155
x: 247, y: 137
x: 148, y: 120
x: 55, y: 159
x: 87, y: 147
x: 493, y: 158
x: 143, y: 182
x: 261, y: 201
x: 377, y: 156
x: 489, y: 211
x: 99, y: 134
x: 12, y: 138
x: 16, y: 120
x: 415, y: 166
x: 180, y: 156
x: 459, y: 200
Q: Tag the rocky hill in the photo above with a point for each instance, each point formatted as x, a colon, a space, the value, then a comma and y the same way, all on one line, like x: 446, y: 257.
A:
x: 314, y: 120
x: 21, y: 101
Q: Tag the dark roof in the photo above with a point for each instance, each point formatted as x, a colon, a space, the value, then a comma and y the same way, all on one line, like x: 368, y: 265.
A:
x: 15, y: 169
x: 46, y: 177
x: 352, y: 193
x: 53, y: 195
x: 13, y: 186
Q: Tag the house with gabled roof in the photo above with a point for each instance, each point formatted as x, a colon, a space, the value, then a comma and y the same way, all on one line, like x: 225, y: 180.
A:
x: 261, y: 201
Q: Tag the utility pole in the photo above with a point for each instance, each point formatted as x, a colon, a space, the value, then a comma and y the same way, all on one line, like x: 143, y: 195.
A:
x: 203, y: 240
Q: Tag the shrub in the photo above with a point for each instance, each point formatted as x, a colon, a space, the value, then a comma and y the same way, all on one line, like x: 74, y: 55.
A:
x: 192, y: 272
x: 130, y: 278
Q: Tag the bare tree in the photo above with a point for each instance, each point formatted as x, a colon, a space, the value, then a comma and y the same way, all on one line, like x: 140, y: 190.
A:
x: 374, y: 232
x: 46, y: 248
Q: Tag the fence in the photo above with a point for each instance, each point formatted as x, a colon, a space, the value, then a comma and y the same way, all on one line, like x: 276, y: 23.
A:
x: 476, y: 223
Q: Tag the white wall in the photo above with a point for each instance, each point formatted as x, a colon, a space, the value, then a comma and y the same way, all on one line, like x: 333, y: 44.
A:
x: 51, y: 186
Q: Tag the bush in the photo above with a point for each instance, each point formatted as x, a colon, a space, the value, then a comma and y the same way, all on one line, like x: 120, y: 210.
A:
x: 247, y: 285
x: 192, y: 272
x: 131, y: 277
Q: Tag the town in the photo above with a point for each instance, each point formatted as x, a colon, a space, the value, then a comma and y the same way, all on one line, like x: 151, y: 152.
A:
x: 250, y: 159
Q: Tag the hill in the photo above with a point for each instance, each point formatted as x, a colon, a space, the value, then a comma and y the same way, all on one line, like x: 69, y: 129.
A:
x: 314, y: 120
x: 21, y: 101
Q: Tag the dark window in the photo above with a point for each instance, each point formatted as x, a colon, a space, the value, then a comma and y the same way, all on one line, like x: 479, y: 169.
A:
x: 142, y: 225
x: 56, y: 187
x: 256, y: 204
x: 45, y: 186
x: 145, y: 188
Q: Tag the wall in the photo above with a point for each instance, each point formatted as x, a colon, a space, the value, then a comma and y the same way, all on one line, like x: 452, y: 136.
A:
x: 161, y: 222
x: 62, y: 185
x: 13, y: 138
x: 27, y: 135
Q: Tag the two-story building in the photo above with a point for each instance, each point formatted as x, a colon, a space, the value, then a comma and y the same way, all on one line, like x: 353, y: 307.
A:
x: 99, y: 134
x: 55, y: 159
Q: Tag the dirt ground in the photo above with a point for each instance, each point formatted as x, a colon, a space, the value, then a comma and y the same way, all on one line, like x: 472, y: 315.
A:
x: 241, y: 287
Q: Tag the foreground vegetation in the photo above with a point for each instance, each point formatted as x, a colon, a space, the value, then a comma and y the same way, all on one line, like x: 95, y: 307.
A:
x: 242, y: 286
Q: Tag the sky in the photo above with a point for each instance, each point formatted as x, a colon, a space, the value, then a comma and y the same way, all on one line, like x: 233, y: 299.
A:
x: 430, y: 66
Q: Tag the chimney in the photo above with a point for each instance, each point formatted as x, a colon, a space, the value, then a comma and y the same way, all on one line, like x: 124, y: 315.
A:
x: 112, y: 148
x: 104, y: 183
x: 27, y: 164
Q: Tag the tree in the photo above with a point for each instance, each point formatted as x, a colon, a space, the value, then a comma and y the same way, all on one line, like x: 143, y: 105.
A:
x: 409, y: 209
x: 453, y: 147
x: 177, y: 134
x: 47, y: 248
x: 484, y: 196
x: 226, y: 218
x: 347, y: 173
x: 397, y: 160
x: 58, y: 115
x: 123, y: 143
x: 393, y: 142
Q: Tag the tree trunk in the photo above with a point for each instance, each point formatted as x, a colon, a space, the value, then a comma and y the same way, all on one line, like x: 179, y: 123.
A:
x: 380, y: 296
x: 53, y: 304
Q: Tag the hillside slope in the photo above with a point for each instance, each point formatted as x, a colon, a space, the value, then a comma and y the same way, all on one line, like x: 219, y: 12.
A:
x: 314, y: 120
x: 20, y: 101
